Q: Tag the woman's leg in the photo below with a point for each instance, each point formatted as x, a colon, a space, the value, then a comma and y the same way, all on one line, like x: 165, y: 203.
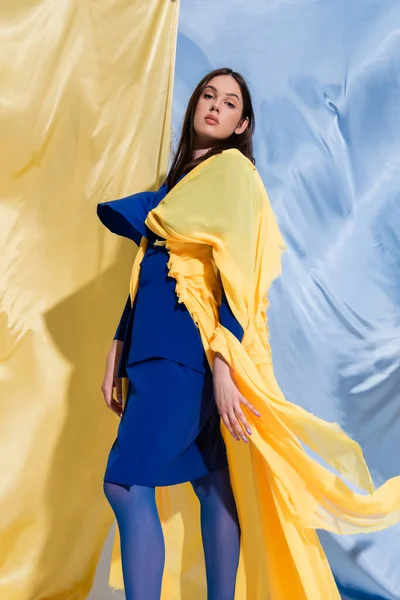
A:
x: 142, y: 541
x: 220, y: 531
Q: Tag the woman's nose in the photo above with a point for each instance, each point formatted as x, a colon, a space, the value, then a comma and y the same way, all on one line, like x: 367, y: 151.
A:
x: 215, y: 107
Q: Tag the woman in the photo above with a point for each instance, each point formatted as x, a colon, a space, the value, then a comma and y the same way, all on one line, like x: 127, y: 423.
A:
x: 159, y: 349
x: 209, y: 250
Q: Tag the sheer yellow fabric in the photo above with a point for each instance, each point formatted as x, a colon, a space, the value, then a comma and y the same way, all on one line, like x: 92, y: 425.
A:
x: 218, y: 223
x: 77, y: 80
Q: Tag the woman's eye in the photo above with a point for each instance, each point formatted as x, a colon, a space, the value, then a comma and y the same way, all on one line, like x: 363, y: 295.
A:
x: 230, y: 105
x: 207, y: 96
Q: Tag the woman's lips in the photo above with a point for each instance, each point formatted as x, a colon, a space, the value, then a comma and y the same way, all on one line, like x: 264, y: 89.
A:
x: 211, y: 120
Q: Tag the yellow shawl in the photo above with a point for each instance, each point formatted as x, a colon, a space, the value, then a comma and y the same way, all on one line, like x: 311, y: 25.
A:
x: 218, y: 223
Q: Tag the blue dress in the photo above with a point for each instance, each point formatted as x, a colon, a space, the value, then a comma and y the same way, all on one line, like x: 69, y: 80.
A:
x: 169, y: 431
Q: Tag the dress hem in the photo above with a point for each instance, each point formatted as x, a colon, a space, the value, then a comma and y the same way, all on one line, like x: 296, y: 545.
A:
x: 178, y: 481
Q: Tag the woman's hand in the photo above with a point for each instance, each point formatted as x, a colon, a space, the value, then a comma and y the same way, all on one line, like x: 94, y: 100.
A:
x: 229, y: 400
x: 111, y: 380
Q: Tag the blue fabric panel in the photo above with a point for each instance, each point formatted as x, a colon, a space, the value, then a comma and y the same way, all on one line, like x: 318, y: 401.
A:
x: 325, y: 81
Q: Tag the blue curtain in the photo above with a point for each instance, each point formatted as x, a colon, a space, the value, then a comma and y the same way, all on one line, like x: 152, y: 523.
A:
x: 325, y: 79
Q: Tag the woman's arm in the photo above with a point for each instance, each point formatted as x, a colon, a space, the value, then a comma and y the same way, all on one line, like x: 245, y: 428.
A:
x: 126, y: 216
x: 227, y: 318
x: 111, y: 380
x: 121, y: 329
x: 227, y: 396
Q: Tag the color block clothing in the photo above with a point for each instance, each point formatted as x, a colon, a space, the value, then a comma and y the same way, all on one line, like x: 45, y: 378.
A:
x: 156, y: 325
x: 170, y: 397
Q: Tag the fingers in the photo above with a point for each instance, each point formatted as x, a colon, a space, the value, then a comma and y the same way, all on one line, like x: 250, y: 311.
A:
x: 116, y: 403
x: 116, y: 407
x: 235, y: 425
x: 118, y: 388
x: 113, y: 404
x: 107, y: 389
x: 229, y: 427
x: 242, y: 418
x: 249, y: 406
x: 230, y: 404
x: 236, y: 422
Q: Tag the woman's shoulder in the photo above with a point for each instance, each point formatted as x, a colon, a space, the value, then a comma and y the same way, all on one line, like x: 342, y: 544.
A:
x: 235, y: 158
x: 239, y: 171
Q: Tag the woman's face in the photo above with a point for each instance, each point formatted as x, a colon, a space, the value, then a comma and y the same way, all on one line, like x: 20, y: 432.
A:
x: 218, y: 112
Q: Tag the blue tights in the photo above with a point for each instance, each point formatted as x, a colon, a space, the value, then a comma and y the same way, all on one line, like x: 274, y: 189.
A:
x: 142, y: 542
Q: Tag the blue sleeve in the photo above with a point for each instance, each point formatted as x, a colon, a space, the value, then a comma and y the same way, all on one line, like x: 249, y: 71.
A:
x: 228, y: 320
x: 121, y: 329
x: 126, y: 216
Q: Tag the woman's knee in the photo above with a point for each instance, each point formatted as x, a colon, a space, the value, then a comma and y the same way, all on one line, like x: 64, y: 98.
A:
x: 214, y: 484
x: 117, y: 495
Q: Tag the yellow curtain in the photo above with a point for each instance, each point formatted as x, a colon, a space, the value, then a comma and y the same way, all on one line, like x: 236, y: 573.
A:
x: 85, y: 111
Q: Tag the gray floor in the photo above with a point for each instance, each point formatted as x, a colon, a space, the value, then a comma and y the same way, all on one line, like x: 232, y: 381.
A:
x: 100, y: 589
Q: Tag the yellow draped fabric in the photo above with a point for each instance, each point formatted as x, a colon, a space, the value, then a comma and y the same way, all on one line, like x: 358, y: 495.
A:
x: 86, y: 89
x: 218, y: 223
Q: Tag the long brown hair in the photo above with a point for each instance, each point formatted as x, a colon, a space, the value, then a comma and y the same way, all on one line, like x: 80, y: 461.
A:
x: 183, y: 159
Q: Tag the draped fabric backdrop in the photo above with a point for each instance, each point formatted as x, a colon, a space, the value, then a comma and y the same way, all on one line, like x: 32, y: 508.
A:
x: 85, y: 110
x: 86, y: 95
x: 325, y: 77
